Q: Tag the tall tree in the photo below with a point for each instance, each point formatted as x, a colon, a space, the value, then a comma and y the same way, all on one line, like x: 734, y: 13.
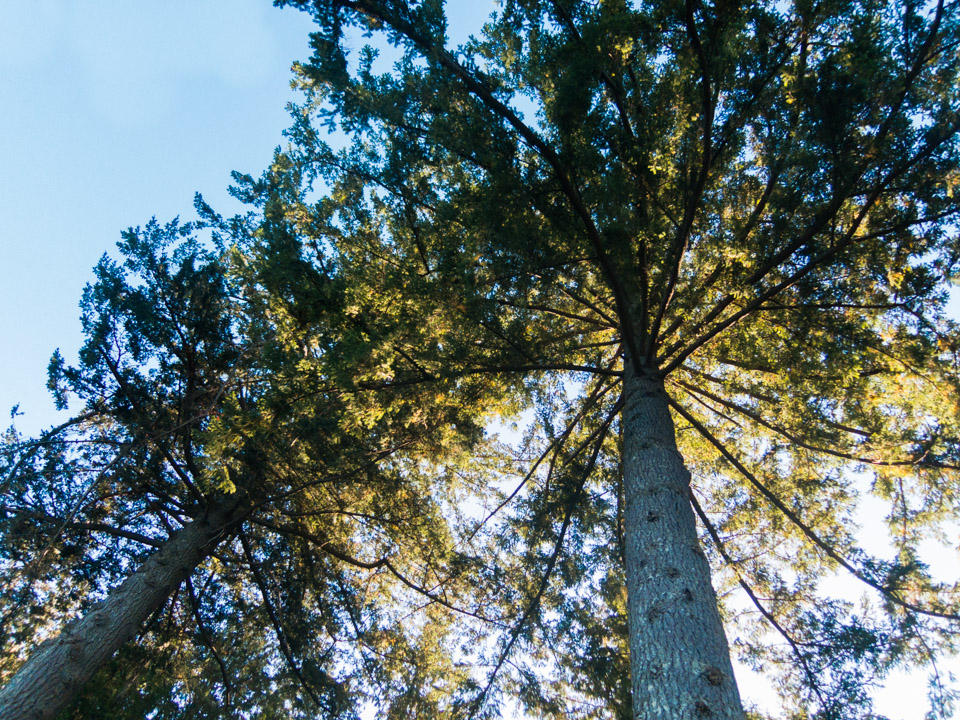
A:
x: 724, y: 232
x: 262, y: 528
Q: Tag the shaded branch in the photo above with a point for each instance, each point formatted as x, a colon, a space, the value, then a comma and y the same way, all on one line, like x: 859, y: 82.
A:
x: 551, y: 562
x: 476, y: 87
x: 681, y: 240
x: 820, y: 221
x: 92, y: 527
x: 275, y: 620
x: 807, y: 531
x: 115, y: 371
x: 554, y: 446
x: 383, y: 562
x: 208, y: 641
x: 718, y: 543
x: 47, y: 437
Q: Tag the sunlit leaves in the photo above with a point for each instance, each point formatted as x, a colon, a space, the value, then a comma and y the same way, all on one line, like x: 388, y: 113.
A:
x: 756, y: 200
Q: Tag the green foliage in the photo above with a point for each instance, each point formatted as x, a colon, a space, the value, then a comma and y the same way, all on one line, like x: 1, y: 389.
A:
x: 199, y: 385
x: 756, y: 201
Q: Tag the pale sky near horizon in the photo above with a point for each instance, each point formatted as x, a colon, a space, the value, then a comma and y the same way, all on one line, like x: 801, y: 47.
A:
x: 115, y: 111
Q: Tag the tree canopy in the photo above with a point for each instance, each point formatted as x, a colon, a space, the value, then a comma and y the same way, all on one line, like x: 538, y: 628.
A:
x: 197, y: 402
x: 699, y: 253
x: 752, y: 204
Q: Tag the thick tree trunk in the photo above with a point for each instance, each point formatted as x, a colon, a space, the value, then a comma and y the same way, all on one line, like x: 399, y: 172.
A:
x: 58, y: 669
x: 679, y: 658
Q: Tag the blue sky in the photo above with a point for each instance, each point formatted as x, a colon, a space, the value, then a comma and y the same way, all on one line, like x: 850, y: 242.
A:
x: 115, y: 111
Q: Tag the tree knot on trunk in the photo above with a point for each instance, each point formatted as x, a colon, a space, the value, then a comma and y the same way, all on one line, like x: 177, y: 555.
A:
x: 664, y: 445
x: 714, y: 676
x: 73, y: 645
x: 703, y: 710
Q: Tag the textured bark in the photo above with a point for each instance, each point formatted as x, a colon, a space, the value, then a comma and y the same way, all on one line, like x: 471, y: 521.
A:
x: 59, y: 668
x: 679, y: 658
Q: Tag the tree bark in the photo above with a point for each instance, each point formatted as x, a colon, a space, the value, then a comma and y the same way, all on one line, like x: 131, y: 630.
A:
x: 679, y: 657
x: 59, y: 668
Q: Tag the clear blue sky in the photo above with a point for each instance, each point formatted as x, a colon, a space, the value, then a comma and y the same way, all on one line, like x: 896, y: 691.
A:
x: 114, y: 111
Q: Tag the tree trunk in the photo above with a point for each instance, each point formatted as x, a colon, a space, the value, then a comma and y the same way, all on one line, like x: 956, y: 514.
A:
x: 679, y: 658
x: 59, y: 668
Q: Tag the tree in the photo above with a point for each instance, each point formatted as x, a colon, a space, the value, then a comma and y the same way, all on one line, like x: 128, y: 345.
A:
x: 262, y: 530
x: 722, y: 232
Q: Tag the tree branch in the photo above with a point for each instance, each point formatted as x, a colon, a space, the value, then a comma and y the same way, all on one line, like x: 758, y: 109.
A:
x: 92, y: 527
x: 554, y: 446
x: 799, y: 523
x: 275, y: 620
x: 383, y: 562
x: 115, y: 371
x: 800, y: 442
x: 551, y: 563
x: 440, y: 55
x: 718, y: 543
x: 208, y: 641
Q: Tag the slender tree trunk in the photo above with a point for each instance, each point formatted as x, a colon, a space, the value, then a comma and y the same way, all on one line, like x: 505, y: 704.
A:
x: 679, y: 658
x: 59, y: 668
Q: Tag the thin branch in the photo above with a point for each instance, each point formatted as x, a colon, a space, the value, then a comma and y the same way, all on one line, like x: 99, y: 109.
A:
x: 820, y: 221
x: 613, y: 88
x: 476, y: 87
x: 705, y: 285
x: 810, y: 534
x: 551, y: 563
x: 850, y: 238
x: 559, y: 313
x: 800, y: 442
x: 546, y: 366
x: 45, y: 438
x: 208, y: 641
x: 92, y: 527
x: 384, y: 562
x: 616, y: 93
x: 275, y: 620
x: 700, y: 401
x: 554, y: 446
x: 573, y: 295
x: 681, y: 240
x: 115, y: 371
x: 718, y: 543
